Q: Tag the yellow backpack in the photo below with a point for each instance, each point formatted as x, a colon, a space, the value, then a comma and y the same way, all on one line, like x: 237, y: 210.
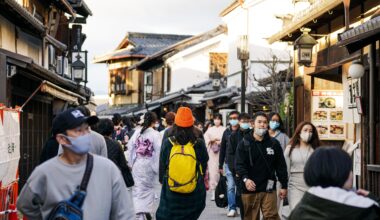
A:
x: 183, y: 168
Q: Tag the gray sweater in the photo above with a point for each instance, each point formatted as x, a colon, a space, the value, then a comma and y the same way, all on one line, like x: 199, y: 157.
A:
x: 54, y: 181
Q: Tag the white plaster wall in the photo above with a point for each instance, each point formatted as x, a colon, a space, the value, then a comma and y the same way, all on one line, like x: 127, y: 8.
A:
x: 257, y: 18
x: 192, y: 65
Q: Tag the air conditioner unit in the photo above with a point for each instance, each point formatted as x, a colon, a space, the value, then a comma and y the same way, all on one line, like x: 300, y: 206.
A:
x: 52, y: 58
x: 59, y: 65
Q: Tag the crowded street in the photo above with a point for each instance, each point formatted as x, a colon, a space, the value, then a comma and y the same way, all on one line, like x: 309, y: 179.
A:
x: 187, y: 110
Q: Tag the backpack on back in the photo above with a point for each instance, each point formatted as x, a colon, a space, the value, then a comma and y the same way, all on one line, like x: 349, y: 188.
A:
x: 183, y: 168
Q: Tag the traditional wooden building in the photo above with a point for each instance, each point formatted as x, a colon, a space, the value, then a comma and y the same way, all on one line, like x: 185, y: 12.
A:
x: 328, y: 91
x: 128, y: 88
x: 37, y: 47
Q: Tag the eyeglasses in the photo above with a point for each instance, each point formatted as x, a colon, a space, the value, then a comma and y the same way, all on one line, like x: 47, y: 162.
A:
x: 233, y: 118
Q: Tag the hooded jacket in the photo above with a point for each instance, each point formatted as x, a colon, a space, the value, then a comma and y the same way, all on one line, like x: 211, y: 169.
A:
x: 260, y: 161
x: 335, y: 203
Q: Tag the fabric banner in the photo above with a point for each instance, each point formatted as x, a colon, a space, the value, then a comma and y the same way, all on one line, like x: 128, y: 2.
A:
x: 9, y: 147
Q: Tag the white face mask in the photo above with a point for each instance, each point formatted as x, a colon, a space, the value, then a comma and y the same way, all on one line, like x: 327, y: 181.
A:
x: 306, y: 136
x: 260, y: 131
x: 157, y: 125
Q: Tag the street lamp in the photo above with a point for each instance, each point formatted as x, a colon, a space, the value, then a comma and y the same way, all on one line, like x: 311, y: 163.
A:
x: 216, y: 79
x: 78, y: 69
x: 304, y: 44
x: 243, y: 56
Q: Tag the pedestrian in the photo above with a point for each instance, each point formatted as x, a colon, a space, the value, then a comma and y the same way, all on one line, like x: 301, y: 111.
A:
x: 50, y: 149
x: 234, y: 140
x: 169, y: 121
x: 208, y: 124
x: 276, y: 130
x: 328, y: 173
x: 119, y: 133
x: 199, y: 125
x: 128, y: 130
x: 98, y: 144
x: 213, y: 139
x: 182, y: 206
x: 303, y: 143
x: 115, y: 150
x: 144, y: 154
x: 233, y: 118
x: 56, y: 180
x: 259, y: 162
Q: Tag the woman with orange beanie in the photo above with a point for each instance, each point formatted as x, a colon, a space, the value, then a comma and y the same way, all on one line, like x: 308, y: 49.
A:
x: 187, y: 200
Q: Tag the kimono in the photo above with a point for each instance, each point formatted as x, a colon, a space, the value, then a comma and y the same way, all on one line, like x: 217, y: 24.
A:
x: 144, y: 159
x: 213, y: 149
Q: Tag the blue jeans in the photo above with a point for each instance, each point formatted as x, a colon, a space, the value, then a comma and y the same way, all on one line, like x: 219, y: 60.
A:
x: 231, y: 189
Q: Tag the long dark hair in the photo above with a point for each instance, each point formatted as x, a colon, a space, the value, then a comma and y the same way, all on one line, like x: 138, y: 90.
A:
x: 149, y: 119
x: 184, y: 135
x: 295, y: 140
x: 281, y: 128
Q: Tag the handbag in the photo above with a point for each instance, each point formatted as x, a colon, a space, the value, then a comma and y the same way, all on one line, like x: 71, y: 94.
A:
x: 221, y: 193
x: 215, y: 148
x: 71, y: 209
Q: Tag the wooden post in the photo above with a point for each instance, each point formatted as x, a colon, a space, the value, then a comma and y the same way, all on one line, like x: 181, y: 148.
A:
x: 347, y: 13
x: 372, y: 102
x: 4, y: 94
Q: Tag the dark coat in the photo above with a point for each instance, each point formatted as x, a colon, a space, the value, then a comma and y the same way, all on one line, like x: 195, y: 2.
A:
x: 176, y: 206
x: 317, y: 208
x: 260, y: 161
x: 116, y: 154
x: 49, y: 150
x: 223, y: 147
x: 235, y: 138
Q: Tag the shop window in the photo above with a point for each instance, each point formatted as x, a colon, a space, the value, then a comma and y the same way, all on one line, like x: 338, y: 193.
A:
x: 148, y: 86
x: 117, y: 82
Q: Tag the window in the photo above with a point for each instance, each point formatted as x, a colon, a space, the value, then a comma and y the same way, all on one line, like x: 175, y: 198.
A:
x: 148, y: 86
x: 117, y: 82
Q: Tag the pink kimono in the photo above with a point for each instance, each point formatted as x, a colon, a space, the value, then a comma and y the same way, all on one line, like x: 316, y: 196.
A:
x: 213, y: 148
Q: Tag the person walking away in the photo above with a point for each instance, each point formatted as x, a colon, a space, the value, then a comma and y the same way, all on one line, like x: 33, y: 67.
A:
x: 213, y: 138
x: 328, y: 173
x: 188, y: 200
x: 115, y: 151
x: 235, y: 138
x: 144, y: 148
x: 259, y: 162
x: 304, y: 141
x: 276, y: 130
x: 57, y: 179
x: 169, y: 120
x: 233, y: 118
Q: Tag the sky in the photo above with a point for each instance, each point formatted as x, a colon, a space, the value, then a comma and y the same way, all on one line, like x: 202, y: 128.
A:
x: 112, y: 19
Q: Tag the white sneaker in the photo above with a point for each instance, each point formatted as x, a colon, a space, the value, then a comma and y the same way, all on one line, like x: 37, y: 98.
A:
x: 213, y: 195
x: 231, y: 213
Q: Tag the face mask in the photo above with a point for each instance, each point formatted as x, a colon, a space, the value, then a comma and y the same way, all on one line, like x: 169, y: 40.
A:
x: 217, y: 122
x: 234, y: 122
x: 260, y: 131
x: 306, y: 136
x: 274, y: 125
x: 157, y: 125
x: 244, y: 126
x: 79, y: 145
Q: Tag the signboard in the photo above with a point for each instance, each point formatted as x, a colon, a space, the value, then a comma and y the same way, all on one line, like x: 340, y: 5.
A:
x: 327, y: 114
x: 9, y: 147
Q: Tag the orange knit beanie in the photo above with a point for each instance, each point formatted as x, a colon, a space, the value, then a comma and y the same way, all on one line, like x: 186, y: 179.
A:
x: 184, y: 117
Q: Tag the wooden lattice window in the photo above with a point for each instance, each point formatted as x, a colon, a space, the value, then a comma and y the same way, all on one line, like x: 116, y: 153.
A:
x: 218, y: 61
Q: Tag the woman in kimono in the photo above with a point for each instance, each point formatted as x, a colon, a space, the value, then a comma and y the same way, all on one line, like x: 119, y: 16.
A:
x: 303, y: 143
x: 144, y: 148
x: 213, y: 137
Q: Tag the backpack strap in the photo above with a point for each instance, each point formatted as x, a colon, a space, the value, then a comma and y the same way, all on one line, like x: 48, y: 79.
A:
x: 87, y: 172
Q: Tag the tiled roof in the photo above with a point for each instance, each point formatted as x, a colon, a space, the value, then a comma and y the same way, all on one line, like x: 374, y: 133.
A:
x: 143, y: 44
x: 205, y: 86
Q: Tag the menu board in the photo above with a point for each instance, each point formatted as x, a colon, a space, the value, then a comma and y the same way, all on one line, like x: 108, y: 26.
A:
x: 327, y: 114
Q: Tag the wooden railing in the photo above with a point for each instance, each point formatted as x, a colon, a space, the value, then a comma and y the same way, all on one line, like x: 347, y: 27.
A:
x: 374, y: 179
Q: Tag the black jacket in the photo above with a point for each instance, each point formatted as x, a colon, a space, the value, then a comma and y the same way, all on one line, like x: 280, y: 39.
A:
x: 116, y: 154
x: 49, y: 150
x: 250, y: 162
x: 223, y: 147
x: 235, y: 138
x: 317, y: 208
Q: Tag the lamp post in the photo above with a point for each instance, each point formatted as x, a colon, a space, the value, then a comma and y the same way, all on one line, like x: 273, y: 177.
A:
x: 243, y: 56
x: 304, y: 44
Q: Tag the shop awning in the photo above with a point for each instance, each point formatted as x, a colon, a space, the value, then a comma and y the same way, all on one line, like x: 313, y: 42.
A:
x: 60, y: 93
x: 362, y: 35
x: 304, y: 17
